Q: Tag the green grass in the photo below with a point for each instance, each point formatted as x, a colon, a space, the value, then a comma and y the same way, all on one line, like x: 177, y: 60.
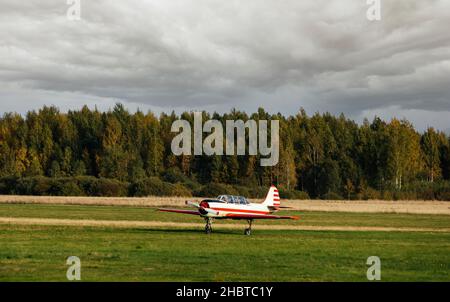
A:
x: 32, y: 253
x: 38, y: 253
x: 150, y: 214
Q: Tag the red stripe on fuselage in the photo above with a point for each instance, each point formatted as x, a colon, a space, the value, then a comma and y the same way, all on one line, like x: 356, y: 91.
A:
x: 240, y: 211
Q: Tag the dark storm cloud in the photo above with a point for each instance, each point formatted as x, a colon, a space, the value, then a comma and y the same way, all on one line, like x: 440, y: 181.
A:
x: 214, y: 55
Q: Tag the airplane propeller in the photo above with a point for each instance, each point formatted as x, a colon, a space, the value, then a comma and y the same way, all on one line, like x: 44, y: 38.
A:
x: 190, y: 203
x: 202, y: 210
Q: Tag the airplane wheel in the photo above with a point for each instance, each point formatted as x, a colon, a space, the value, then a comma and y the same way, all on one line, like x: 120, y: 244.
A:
x: 208, y: 230
x: 247, y: 232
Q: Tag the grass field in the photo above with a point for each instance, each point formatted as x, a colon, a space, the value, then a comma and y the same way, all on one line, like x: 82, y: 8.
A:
x: 150, y: 214
x: 38, y: 253
x: 349, y: 206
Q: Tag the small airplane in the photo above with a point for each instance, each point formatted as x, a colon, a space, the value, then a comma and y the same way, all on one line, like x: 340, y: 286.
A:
x: 235, y: 207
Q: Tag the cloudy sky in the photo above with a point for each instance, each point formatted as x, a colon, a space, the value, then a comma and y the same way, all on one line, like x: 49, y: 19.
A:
x: 323, y: 55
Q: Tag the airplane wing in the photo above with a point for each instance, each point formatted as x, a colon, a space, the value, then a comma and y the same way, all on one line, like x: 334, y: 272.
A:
x: 191, y: 212
x: 246, y: 216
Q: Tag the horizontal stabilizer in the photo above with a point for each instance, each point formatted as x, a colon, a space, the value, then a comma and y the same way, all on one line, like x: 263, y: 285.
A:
x: 245, y: 216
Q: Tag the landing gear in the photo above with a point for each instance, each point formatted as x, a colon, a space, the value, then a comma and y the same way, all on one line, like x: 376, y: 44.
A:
x: 248, y: 231
x: 208, y: 226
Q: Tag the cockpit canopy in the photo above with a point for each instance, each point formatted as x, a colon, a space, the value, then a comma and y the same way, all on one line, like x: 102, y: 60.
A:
x: 233, y: 199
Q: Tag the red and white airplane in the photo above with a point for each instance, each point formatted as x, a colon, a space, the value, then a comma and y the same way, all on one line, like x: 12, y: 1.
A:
x: 235, y: 207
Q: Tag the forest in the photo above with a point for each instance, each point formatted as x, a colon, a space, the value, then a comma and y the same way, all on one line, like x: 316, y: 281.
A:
x: 89, y: 152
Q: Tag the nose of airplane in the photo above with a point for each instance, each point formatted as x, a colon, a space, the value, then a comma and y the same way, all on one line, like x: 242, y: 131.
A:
x: 205, y: 209
x: 204, y: 204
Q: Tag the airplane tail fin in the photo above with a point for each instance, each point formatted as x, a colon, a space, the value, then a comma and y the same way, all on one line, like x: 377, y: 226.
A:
x: 272, y: 198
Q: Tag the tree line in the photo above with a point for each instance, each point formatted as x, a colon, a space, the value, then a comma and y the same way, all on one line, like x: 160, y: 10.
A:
x: 118, y: 153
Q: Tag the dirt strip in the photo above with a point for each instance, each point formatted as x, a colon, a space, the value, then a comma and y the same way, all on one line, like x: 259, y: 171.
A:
x: 372, y: 206
x: 160, y: 224
x: 356, y: 206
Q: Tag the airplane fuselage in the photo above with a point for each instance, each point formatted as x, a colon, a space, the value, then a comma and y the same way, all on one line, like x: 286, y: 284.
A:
x: 225, y: 210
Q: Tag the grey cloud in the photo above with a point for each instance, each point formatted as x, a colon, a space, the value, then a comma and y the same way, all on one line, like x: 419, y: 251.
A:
x: 322, y: 55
